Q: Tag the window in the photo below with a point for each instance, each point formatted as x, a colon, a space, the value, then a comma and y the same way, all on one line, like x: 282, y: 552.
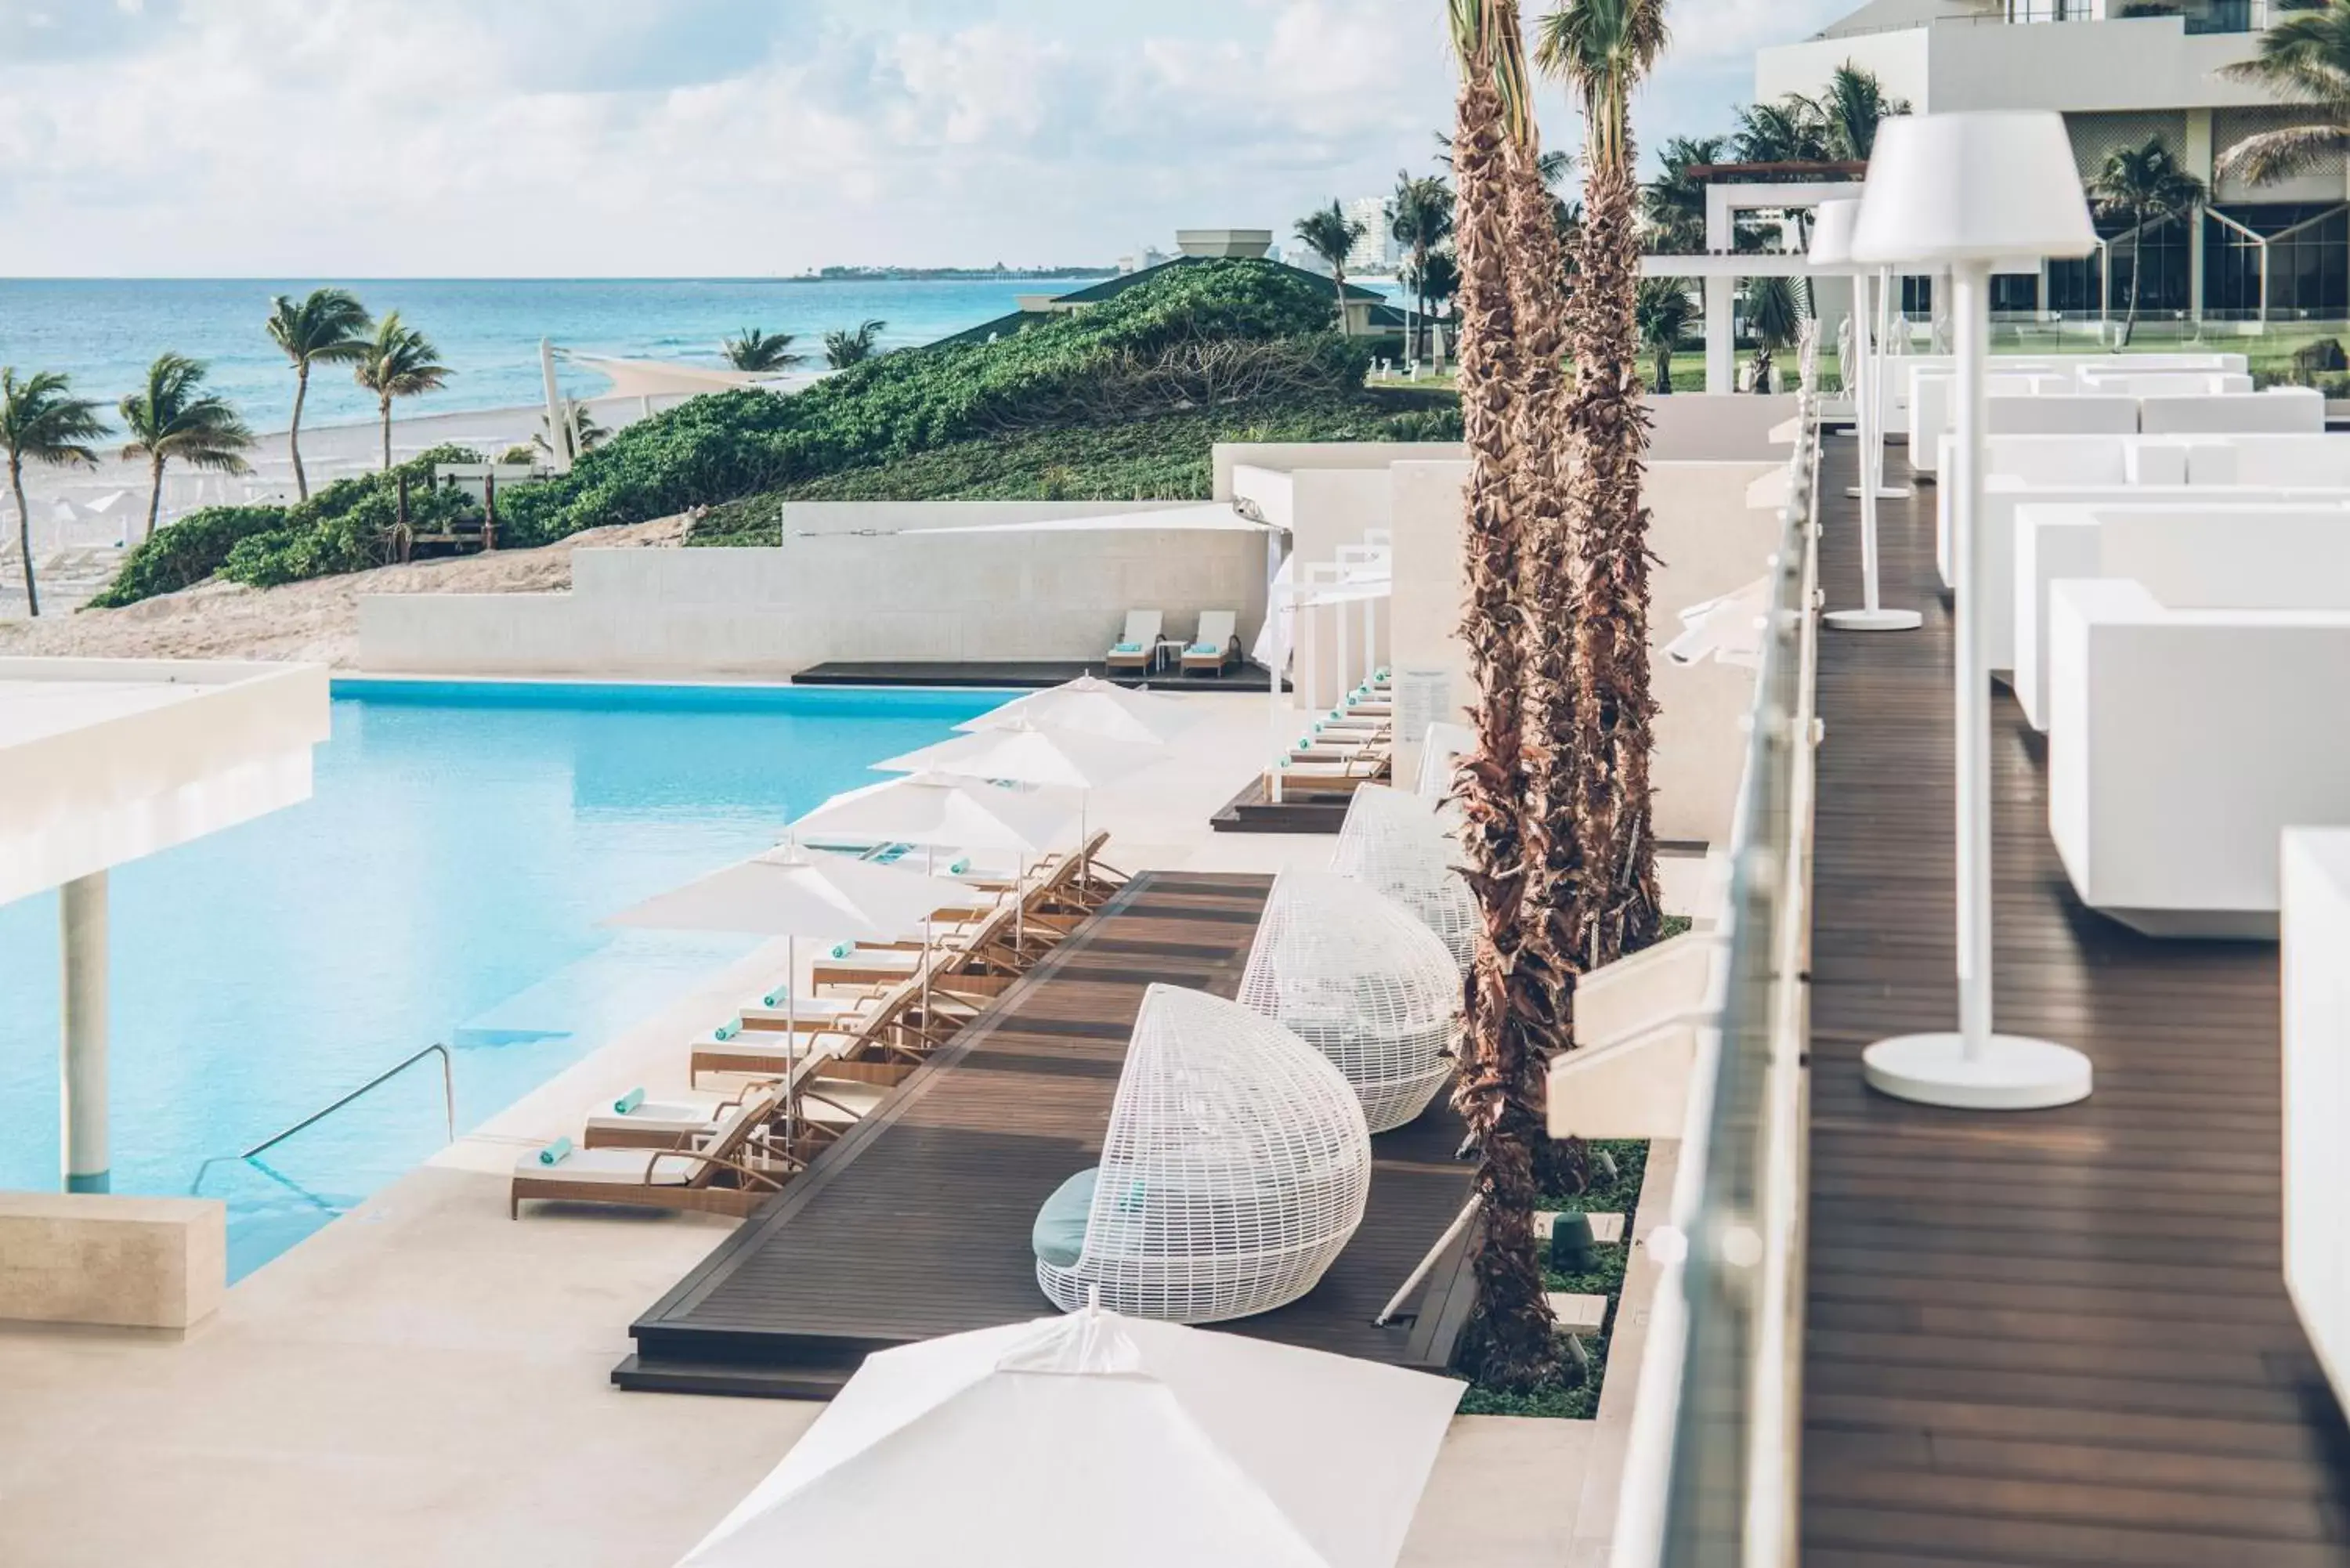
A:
x: 2308, y: 261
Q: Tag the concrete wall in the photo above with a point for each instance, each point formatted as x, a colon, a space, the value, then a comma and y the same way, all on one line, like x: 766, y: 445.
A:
x: 1291, y: 456
x: 1710, y: 542
x: 895, y: 516
x: 116, y: 1263
x: 1060, y: 595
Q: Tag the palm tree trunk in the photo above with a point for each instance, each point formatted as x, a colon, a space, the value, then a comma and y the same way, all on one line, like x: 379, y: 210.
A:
x: 1611, y: 524
x: 154, y: 496
x: 1338, y: 277
x: 1509, y: 1338
x: 1664, y: 370
x: 386, y: 402
x: 293, y: 430
x: 2137, y: 277
x: 24, y: 534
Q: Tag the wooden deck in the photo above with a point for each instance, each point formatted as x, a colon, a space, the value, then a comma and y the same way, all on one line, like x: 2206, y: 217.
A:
x: 1242, y: 676
x: 2055, y: 1337
x: 918, y: 1223
x: 1251, y: 812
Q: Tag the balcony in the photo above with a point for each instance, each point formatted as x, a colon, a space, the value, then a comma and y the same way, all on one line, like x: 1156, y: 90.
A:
x: 2199, y: 16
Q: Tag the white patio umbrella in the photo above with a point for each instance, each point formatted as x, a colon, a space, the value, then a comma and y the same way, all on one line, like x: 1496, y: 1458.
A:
x: 1073, y: 1443
x: 934, y: 811
x: 791, y: 892
x: 1028, y: 754
x: 1091, y: 706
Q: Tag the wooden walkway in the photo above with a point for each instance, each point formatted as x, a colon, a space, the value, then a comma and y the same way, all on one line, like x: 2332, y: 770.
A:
x: 1242, y: 676
x: 917, y: 1224
x: 2055, y: 1337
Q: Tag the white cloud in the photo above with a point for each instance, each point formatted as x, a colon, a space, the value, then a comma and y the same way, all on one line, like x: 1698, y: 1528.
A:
x: 538, y: 137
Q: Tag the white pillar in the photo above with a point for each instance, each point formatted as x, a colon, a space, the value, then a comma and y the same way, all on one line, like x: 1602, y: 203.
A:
x: 1720, y: 335
x: 81, y: 1088
x: 559, y: 453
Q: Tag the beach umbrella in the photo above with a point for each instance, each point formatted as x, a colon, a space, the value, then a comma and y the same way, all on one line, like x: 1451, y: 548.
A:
x: 1072, y: 1442
x: 791, y: 892
x: 934, y: 811
x: 1026, y: 753
x: 1089, y: 705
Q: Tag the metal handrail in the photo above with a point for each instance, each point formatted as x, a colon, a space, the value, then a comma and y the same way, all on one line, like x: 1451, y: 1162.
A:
x: 448, y: 1106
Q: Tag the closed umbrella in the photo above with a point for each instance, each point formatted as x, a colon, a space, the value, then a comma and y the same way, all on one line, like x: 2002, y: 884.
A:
x: 791, y: 892
x: 1092, y: 706
x: 1027, y: 753
x: 1078, y: 1441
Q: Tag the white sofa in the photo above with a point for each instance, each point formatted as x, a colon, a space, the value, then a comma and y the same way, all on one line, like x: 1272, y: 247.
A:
x: 2181, y: 742
x: 2194, y: 554
x: 2165, y: 383
x: 2316, y: 929
x: 2280, y: 410
x: 2017, y: 405
x: 1900, y: 420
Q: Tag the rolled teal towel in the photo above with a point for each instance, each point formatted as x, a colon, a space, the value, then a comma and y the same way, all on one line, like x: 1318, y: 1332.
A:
x: 1206, y: 649
x: 628, y: 1102
x: 777, y: 997
x: 728, y: 1030
x: 958, y: 867
x: 842, y: 949
x: 1128, y: 647
x: 555, y: 1152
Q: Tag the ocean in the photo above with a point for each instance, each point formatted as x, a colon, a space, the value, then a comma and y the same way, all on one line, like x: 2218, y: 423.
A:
x: 104, y: 332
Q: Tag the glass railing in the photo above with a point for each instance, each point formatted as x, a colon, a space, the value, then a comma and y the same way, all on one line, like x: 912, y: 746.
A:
x: 1712, y: 1469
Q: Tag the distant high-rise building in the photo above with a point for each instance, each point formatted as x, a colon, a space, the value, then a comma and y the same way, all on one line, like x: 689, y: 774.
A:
x: 1376, y: 251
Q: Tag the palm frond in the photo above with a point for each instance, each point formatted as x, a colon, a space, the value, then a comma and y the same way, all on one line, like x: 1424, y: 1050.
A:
x: 2273, y: 155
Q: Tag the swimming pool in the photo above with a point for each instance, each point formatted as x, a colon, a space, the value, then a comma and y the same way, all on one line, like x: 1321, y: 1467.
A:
x: 443, y: 884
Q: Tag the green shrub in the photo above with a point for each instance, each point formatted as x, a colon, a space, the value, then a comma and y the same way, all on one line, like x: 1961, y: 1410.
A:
x: 2322, y: 357
x: 1225, y: 333
x: 184, y: 553
x: 345, y: 527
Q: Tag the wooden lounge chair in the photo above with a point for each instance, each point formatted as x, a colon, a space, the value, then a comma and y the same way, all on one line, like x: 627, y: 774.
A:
x: 722, y: 1176
x: 1141, y: 646
x: 1217, y: 646
x: 1293, y: 780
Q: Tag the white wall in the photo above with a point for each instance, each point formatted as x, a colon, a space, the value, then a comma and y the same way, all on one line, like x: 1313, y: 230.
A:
x: 2316, y: 924
x: 1060, y: 595
x: 894, y: 516
x: 1291, y: 456
x: 1709, y: 543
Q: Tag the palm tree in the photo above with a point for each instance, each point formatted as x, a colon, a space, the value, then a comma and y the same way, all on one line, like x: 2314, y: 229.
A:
x: 1850, y: 109
x: 580, y: 432
x: 1509, y: 1340
x: 1435, y: 284
x: 1329, y: 233
x: 399, y: 362
x: 2304, y: 58
x: 174, y: 417
x: 760, y: 351
x: 1602, y: 49
x: 1791, y: 130
x: 1663, y: 312
x: 2144, y: 185
x: 1419, y: 216
x: 327, y: 326
x: 41, y: 421
x: 1674, y: 202
x: 1775, y: 314
x: 842, y: 350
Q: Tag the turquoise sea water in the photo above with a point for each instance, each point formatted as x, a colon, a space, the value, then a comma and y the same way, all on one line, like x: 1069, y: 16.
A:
x: 443, y: 884
x: 103, y: 332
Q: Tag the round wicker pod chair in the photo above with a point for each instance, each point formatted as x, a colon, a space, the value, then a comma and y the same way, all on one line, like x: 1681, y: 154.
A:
x: 1234, y: 1172
x: 1396, y: 843
x: 1353, y: 975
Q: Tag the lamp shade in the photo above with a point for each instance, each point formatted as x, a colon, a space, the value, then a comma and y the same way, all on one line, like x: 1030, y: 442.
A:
x: 1832, y: 226
x: 1945, y: 188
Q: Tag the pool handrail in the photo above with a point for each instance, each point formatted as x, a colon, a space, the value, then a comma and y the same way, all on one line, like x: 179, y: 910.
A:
x: 448, y: 1106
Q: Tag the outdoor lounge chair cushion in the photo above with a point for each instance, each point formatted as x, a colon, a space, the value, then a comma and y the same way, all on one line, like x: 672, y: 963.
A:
x: 1127, y: 648
x: 614, y: 1167
x: 1059, y: 1236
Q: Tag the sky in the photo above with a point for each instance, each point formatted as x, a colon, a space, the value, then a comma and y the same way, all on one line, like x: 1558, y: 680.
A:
x: 730, y: 138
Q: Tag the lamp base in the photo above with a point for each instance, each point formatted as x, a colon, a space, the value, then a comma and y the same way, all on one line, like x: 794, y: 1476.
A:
x: 2015, y: 1073
x: 1884, y: 493
x: 1874, y: 619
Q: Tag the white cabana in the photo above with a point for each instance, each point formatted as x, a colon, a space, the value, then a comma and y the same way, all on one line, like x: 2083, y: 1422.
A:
x: 1093, y: 1440
x: 1091, y: 706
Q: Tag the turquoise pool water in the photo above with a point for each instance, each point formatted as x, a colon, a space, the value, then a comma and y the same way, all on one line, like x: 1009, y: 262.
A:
x: 443, y: 884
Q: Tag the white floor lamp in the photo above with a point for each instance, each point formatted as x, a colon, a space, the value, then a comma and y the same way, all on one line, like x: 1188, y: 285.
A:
x: 1880, y: 370
x: 1832, y: 230
x: 1963, y: 190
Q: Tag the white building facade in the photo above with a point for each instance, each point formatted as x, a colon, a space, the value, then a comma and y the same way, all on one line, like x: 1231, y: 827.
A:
x: 2252, y: 253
